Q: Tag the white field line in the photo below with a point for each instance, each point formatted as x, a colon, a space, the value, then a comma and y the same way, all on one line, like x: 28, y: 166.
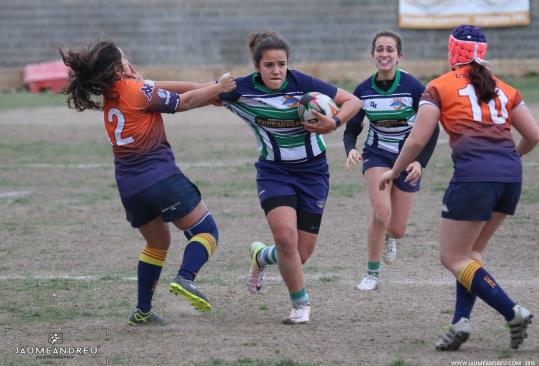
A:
x: 201, y: 164
x: 277, y: 279
x: 14, y: 194
x: 65, y: 277
x: 340, y: 145
x: 188, y: 165
x: 407, y: 282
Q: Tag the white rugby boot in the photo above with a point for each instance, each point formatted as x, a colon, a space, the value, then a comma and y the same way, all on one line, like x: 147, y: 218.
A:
x: 368, y: 283
x: 457, y: 334
x: 300, y: 314
x: 390, y: 250
x: 518, y: 326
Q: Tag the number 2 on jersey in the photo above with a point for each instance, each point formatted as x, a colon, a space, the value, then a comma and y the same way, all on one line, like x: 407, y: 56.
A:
x: 115, y: 112
x: 498, y: 117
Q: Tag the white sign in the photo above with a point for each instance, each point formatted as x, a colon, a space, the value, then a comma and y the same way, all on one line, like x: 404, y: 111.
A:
x: 432, y: 14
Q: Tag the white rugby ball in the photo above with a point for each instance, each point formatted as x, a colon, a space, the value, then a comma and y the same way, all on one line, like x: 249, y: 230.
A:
x: 318, y: 102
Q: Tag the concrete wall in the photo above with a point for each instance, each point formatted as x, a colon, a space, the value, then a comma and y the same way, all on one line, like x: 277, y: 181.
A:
x: 169, y: 34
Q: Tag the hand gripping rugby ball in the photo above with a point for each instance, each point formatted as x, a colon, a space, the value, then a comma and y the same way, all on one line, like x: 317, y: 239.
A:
x: 318, y: 102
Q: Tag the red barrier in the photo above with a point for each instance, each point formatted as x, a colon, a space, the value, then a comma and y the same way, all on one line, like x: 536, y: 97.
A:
x: 53, y: 75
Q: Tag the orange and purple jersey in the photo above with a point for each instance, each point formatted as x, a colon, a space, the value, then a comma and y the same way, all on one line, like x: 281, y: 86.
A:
x: 132, y: 115
x: 479, y: 133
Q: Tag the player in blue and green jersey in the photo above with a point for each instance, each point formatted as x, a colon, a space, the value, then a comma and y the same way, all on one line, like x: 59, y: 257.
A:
x: 292, y: 171
x: 390, y: 101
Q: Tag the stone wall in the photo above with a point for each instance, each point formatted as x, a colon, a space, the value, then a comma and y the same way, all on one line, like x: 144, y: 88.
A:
x: 188, y: 34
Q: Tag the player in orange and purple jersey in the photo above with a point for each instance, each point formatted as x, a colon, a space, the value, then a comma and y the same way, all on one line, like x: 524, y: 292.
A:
x: 477, y: 110
x: 153, y: 190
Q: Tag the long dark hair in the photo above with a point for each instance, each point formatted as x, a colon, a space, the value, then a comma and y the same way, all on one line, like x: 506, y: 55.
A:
x: 262, y: 41
x: 483, y: 82
x: 93, y: 71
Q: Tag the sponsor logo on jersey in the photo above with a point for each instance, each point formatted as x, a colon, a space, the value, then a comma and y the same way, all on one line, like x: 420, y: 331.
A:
x: 390, y: 123
x: 147, y: 90
x: 398, y: 104
x: 277, y: 123
x: 164, y: 94
x: 290, y: 101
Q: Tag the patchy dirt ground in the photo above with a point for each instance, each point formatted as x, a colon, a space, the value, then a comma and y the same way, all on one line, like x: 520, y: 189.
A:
x: 68, y: 258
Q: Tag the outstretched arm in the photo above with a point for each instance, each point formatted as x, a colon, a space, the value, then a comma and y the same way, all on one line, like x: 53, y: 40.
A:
x: 182, y: 86
x: 174, y: 86
x: 426, y: 122
x: 166, y: 101
x: 206, y: 95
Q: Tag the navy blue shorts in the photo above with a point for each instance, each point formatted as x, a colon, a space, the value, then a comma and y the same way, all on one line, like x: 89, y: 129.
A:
x: 308, y: 182
x: 475, y: 201
x: 172, y: 198
x: 379, y: 158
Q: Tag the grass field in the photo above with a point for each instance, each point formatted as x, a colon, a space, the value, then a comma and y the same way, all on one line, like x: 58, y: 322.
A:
x: 68, y: 258
x: 528, y: 85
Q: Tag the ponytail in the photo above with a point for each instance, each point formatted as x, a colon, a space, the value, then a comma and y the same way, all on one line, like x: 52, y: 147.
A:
x: 483, y: 82
x: 261, y: 42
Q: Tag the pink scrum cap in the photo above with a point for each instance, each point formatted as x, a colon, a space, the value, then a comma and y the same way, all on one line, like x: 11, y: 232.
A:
x: 467, y: 43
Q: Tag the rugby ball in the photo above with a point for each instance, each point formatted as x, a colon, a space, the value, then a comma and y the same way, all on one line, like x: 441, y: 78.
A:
x: 318, y: 102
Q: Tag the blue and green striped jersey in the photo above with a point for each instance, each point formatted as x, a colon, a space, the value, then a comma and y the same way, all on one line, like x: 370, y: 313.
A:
x: 391, y: 113
x: 273, y: 115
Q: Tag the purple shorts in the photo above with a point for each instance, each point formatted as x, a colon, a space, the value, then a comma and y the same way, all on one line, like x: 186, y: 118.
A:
x: 373, y: 157
x: 475, y: 201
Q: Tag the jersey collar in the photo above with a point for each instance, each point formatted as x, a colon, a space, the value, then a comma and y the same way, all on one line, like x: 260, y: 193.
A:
x: 259, y: 85
x: 393, y: 86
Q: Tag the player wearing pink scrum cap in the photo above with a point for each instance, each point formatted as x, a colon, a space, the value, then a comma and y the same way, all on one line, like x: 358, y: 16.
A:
x: 467, y: 44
